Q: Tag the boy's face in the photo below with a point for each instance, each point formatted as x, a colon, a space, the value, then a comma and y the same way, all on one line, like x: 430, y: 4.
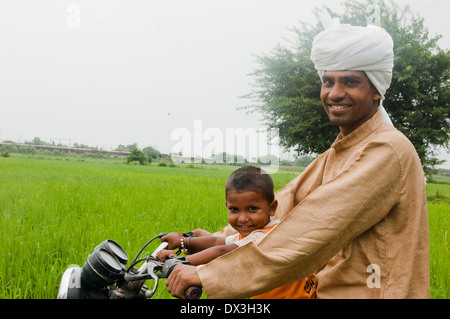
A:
x: 248, y: 211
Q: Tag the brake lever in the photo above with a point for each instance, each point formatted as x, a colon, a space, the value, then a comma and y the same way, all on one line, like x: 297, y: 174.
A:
x: 146, y: 271
x: 152, y: 267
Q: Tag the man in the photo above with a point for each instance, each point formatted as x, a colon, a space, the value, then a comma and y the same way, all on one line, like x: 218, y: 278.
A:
x: 357, y: 215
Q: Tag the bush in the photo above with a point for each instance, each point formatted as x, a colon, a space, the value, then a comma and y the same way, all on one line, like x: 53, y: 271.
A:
x: 137, y: 156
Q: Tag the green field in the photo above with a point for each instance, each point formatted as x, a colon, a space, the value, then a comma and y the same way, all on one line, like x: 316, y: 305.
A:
x: 54, y: 212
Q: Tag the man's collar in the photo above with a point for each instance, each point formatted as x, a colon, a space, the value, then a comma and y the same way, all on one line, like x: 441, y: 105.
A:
x: 358, y: 134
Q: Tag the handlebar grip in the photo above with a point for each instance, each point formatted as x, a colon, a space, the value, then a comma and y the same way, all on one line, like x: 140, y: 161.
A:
x: 193, y: 292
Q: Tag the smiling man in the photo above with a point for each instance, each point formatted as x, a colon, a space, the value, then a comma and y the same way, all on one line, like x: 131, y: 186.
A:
x: 349, y: 99
x: 357, y: 215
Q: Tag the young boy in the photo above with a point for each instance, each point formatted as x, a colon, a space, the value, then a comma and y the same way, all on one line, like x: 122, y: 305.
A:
x: 250, y: 201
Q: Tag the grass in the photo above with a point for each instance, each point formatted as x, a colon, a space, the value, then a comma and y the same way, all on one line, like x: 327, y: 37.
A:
x: 439, y: 222
x: 54, y: 212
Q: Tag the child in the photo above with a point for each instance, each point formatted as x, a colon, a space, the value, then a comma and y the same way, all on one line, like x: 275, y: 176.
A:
x: 250, y: 202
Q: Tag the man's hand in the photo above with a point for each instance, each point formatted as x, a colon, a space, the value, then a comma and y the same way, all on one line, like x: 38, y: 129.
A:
x: 181, y: 278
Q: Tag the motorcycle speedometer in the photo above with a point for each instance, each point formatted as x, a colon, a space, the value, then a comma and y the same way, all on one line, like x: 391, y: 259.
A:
x: 115, y: 249
x: 101, y: 268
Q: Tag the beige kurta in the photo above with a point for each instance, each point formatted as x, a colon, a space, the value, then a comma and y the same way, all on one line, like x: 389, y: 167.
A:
x: 357, y: 216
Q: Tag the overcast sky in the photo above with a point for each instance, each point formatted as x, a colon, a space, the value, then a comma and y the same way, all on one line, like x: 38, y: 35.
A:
x: 105, y: 73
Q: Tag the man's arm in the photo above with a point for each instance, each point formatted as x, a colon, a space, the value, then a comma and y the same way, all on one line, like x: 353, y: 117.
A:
x: 319, y: 226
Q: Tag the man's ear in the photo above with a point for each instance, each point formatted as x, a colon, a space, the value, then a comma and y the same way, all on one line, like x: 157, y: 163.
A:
x: 376, y: 97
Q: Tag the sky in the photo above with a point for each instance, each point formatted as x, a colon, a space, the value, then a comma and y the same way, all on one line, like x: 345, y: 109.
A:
x: 110, y: 72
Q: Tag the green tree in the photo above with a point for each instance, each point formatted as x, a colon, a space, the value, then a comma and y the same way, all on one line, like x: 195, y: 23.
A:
x: 286, y: 85
x: 137, y: 156
x: 36, y: 141
x: 126, y: 148
x: 151, y: 152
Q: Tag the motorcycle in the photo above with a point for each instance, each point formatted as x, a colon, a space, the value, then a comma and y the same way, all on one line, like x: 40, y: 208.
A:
x: 104, y: 275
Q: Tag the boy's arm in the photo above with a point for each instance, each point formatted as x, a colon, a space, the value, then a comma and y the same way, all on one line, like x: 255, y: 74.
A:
x: 198, y: 244
x: 205, y: 256
x: 202, y: 249
x: 193, y: 244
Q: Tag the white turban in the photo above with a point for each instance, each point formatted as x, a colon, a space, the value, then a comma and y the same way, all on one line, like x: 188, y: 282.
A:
x: 346, y: 47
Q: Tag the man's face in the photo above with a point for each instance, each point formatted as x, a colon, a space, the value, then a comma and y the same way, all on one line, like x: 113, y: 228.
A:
x: 348, y: 99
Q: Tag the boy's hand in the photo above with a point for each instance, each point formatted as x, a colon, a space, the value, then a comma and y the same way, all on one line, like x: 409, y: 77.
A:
x: 201, y: 232
x: 174, y: 240
x: 163, y: 254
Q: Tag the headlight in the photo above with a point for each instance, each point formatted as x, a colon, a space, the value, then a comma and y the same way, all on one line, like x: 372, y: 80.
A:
x: 101, y: 268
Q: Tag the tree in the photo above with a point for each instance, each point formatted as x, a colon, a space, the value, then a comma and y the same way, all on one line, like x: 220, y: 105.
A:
x: 36, y: 141
x: 151, y: 152
x: 126, y: 148
x: 137, y: 156
x: 286, y: 86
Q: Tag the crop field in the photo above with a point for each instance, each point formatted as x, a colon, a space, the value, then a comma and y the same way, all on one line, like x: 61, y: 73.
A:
x: 54, y: 212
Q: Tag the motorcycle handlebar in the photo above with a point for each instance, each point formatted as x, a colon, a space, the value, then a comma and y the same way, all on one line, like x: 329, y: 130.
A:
x: 170, y: 263
x: 194, y: 292
x: 105, y: 276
